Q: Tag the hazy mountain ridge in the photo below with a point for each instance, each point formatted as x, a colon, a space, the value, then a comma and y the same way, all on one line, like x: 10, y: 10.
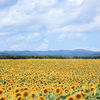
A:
x: 67, y: 53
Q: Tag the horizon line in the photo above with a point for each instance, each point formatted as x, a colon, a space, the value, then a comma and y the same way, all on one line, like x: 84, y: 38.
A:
x: 51, y: 50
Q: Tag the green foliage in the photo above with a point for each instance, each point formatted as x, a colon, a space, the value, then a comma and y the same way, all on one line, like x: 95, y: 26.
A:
x: 45, y: 57
x: 33, y: 57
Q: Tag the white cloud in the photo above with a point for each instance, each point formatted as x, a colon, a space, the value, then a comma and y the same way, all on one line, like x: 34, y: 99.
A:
x: 25, y: 38
x: 15, y: 38
x: 76, y: 2
x: 33, y: 37
x: 26, y: 14
x: 94, y: 49
x: 19, y: 46
x: 74, y: 35
x: 45, y: 5
x: 17, y: 14
x: 87, y: 48
x: 58, y: 17
x: 4, y: 33
x: 35, y: 34
x: 46, y: 41
x: 70, y: 36
x: 49, y: 16
x: 43, y: 47
x: 61, y: 37
x: 14, y: 47
x: 32, y: 20
x: 78, y: 35
x: 20, y: 37
x: 93, y: 26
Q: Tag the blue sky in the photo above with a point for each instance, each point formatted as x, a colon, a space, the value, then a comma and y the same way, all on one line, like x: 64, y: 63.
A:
x: 41, y: 25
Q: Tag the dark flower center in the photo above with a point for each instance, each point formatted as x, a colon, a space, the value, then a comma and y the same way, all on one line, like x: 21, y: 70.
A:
x: 33, y: 95
x: 0, y: 92
x: 18, y: 94
x: 19, y: 98
x: 45, y: 91
x: 92, y: 89
x: 25, y: 94
x: 17, y: 91
x: 2, y: 99
x: 78, y: 96
x: 57, y: 90
x: 70, y: 98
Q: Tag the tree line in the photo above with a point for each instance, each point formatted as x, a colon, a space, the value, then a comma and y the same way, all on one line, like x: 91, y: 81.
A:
x: 45, y: 57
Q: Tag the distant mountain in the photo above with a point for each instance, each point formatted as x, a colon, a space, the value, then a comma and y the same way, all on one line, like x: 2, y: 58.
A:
x: 26, y: 52
x: 67, y: 53
x: 2, y: 53
x: 95, y: 54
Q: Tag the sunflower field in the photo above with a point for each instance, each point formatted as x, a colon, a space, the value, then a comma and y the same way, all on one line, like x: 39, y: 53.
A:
x: 50, y: 79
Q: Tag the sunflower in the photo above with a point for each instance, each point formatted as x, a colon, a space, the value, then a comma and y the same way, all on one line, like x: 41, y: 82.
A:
x: 3, y: 98
x: 25, y: 93
x: 45, y: 91
x: 20, y: 98
x: 25, y: 88
x: 18, y: 94
x: 66, y: 87
x: 17, y: 90
x: 62, y: 85
x: 9, y: 88
x: 3, y: 88
x: 36, y: 81
x: 17, y: 85
x: 44, y: 81
x: 36, y: 88
x: 1, y: 92
x: 13, y: 86
x: 78, y: 96
x: 58, y: 90
x: 73, y: 87
x: 11, y: 83
x: 33, y: 89
x: 70, y: 98
x: 39, y: 87
x: 84, y: 94
x: 50, y: 88
x: 33, y: 95
x: 1, y: 84
x: 66, y: 90
x: 42, y: 98
x: 25, y: 84
x: 43, y: 87
x: 56, y: 84
x: 92, y: 88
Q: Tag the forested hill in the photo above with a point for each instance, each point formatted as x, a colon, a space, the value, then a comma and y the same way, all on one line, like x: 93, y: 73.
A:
x: 66, y: 53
